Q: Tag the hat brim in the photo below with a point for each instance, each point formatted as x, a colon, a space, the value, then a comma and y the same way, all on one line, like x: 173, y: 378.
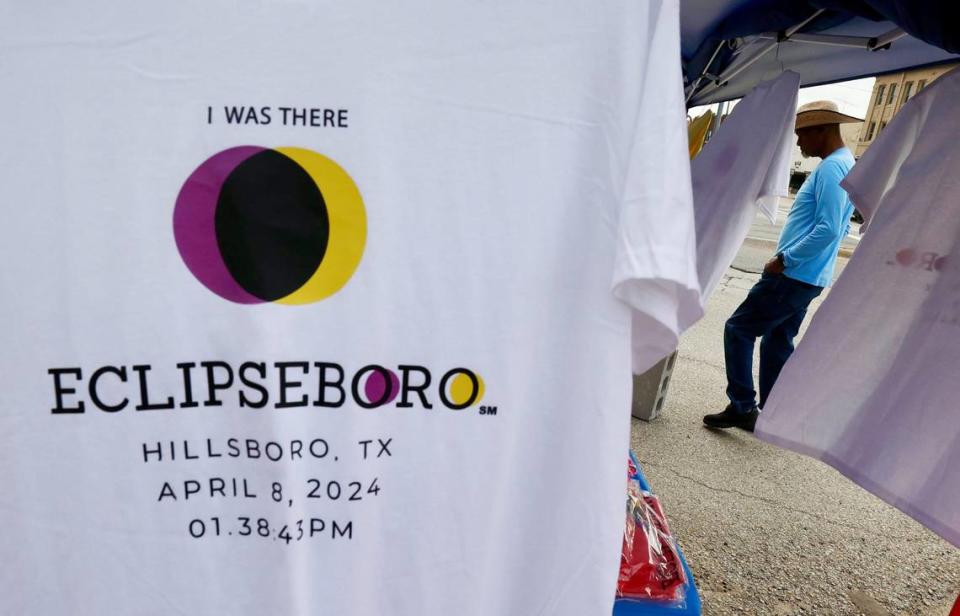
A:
x: 819, y: 117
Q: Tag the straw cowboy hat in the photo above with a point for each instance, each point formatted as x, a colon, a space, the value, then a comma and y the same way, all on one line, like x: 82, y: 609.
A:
x: 821, y: 112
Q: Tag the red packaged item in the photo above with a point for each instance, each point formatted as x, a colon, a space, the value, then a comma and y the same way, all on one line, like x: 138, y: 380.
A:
x: 650, y: 566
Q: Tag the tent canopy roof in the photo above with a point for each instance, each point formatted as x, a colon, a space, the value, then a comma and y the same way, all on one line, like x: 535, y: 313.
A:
x: 729, y: 46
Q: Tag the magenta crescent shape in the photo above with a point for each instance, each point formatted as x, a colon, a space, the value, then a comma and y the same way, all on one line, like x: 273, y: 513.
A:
x: 194, y: 220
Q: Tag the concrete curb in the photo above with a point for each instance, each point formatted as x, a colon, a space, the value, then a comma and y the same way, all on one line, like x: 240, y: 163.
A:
x: 845, y: 251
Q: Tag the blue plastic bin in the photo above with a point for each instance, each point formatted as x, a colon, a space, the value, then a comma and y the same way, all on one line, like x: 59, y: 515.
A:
x: 691, y: 604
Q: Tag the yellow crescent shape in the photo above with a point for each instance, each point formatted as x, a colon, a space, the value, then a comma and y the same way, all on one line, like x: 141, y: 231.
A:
x: 348, y: 227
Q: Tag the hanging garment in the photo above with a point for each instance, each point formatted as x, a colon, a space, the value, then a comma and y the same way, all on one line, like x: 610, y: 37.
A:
x: 697, y: 130
x: 745, y: 166
x: 321, y: 308
x: 872, y: 389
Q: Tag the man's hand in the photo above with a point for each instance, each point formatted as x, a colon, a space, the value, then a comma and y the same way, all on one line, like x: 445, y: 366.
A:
x: 774, y: 265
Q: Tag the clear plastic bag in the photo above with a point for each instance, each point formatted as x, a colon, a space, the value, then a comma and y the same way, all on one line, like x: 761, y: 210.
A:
x: 650, y: 565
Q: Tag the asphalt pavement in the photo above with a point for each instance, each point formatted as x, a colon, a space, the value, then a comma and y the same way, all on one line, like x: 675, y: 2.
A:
x: 768, y: 531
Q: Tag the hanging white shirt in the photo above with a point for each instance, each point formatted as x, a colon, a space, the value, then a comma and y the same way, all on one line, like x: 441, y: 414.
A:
x: 745, y: 166
x: 872, y: 389
x: 326, y: 308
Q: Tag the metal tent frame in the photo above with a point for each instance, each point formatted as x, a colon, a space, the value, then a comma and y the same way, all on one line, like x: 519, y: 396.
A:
x: 727, y: 44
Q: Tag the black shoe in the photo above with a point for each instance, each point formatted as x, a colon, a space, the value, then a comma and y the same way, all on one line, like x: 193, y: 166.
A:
x: 731, y: 418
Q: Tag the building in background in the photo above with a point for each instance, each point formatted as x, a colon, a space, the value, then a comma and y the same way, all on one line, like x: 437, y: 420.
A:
x: 890, y: 92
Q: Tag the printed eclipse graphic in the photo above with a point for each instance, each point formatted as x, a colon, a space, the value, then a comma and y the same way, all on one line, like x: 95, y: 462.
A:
x: 284, y: 225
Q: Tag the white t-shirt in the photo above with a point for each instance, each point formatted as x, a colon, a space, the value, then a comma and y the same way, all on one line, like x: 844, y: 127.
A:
x: 231, y: 229
x: 745, y: 166
x: 872, y: 388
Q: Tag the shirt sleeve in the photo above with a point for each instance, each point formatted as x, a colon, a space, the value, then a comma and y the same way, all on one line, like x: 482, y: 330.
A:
x: 876, y: 171
x: 655, y: 265
x: 777, y: 180
x: 829, y: 223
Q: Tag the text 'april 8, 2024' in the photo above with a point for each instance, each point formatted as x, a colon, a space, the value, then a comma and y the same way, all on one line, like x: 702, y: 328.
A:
x: 281, y: 509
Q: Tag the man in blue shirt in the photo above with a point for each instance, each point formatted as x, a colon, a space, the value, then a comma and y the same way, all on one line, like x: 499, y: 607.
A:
x: 802, y: 267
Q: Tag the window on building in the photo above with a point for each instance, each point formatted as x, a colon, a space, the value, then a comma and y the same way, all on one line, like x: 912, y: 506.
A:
x: 907, y: 91
x: 883, y: 125
x: 880, y: 90
x: 873, y: 126
x: 920, y: 84
x: 892, y: 94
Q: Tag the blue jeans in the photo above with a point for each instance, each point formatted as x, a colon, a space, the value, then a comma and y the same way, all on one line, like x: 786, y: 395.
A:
x: 773, y: 311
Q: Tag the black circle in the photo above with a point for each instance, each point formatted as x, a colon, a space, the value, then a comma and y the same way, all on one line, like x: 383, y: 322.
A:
x: 272, y: 225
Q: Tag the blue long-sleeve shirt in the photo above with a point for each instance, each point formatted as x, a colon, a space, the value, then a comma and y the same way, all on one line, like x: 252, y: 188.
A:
x: 818, y: 222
